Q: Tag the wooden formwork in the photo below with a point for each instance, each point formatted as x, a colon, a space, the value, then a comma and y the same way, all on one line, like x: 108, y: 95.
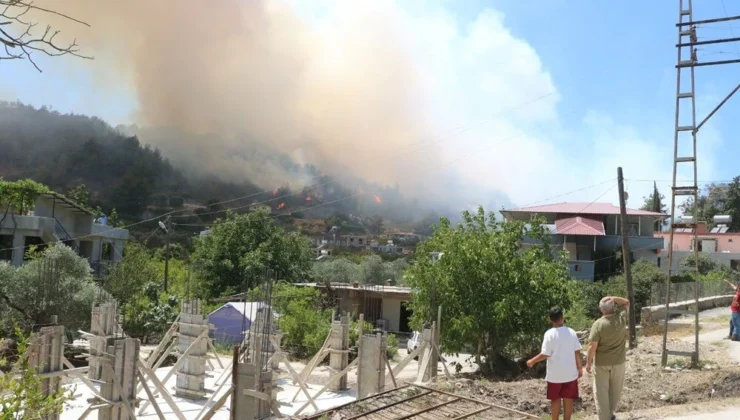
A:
x: 104, y: 329
x: 45, y: 352
x: 119, y: 380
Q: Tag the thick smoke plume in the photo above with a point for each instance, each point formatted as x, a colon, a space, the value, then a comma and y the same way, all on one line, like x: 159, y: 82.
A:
x: 342, y: 93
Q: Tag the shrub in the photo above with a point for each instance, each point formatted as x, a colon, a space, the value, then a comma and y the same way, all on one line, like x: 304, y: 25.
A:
x: 300, y: 316
x: 706, y: 264
x: 392, y: 346
x: 57, y: 282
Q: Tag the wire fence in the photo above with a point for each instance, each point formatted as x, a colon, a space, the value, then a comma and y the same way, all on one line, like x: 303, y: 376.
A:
x: 685, y: 291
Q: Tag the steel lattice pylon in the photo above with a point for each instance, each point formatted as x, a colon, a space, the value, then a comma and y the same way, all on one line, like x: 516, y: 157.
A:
x: 685, y: 98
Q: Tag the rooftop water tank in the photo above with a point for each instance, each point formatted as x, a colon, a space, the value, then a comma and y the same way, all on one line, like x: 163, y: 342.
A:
x: 723, y: 219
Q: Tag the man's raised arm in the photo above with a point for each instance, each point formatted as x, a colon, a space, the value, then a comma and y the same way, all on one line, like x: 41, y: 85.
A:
x: 620, y: 301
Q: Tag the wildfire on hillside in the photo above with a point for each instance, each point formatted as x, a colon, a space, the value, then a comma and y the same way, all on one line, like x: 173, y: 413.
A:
x: 280, y: 206
x: 377, y: 199
x: 308, y: 198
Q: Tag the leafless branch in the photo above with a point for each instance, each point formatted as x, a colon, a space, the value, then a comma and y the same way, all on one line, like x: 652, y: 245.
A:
x: 19, y: 47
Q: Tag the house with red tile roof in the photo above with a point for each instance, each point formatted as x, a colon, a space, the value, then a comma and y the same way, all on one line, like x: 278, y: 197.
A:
x: 590, y: 233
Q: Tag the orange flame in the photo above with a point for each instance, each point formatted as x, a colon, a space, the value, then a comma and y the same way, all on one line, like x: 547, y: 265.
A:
x: 281, y: 205
x: 377, y: 199
x: 308, y: 198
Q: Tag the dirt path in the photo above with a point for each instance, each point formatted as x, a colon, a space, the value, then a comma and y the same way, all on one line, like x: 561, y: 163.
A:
x: 715, y: 329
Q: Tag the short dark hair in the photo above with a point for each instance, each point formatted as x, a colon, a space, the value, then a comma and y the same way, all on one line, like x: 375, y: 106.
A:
x: 556, y: 314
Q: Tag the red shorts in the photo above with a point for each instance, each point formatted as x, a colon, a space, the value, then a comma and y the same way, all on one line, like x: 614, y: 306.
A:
x: 567, y: 390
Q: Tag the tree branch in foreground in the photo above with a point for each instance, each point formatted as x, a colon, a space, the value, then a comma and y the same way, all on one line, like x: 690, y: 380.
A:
x: 18, y: 40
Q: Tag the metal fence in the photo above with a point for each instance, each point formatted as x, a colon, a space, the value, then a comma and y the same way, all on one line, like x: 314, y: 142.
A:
x: 685, y: 291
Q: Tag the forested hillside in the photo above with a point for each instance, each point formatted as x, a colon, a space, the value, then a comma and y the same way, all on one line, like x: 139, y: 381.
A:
x: 121, y: 172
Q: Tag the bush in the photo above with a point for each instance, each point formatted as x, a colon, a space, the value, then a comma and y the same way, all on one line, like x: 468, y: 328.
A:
x: 300, y: 316
x: 354, y: 331
x: 392, y: 346
x: 706, y: 264
x: 57, y: 282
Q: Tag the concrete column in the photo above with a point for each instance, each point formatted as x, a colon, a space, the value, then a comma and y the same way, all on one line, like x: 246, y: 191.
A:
x: 371, y: 367
x: 125, y: 354
x: 96, y: 250
x: 117, y: 250
x: 19, y: 241
x: 339, y: 346
x: 104, y: 326
x: 191, y: 374
x: 425, y: 357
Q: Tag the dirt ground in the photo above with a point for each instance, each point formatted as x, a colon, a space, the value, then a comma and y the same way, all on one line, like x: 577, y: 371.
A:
x: 648, y: 386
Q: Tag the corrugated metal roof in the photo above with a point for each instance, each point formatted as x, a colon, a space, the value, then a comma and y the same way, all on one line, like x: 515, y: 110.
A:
x: 579, y: 225
x: 582, y: 208
x: 250, y: 309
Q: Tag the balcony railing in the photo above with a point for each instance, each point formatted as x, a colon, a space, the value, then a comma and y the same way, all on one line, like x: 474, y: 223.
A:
x: 65, y: 237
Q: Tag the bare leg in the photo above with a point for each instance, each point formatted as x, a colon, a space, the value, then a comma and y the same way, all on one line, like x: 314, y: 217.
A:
x: 567, y: 408
x: 555, y: 409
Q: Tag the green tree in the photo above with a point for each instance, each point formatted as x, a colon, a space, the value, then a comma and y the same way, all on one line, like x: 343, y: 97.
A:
x: 19, y: 196
x: 302, y: 319
x: 495, y: 295
x: 706, y: 264
x: 128, y: 277
x: 80, y: 194
x: 654, y: 202
x: 239, y: 247
x: 338, y: 270
x: 712, y: 201
x: 58, y: 282
x: 114, y: 219
x: 373, y: 271
x: 732, y: 204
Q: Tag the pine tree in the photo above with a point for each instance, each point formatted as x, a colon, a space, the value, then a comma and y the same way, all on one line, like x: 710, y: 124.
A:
x: 654, y: 202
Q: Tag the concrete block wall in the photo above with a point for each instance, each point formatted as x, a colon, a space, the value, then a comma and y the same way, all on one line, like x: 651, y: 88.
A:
x: 191, y: 373
x: 651, y: 315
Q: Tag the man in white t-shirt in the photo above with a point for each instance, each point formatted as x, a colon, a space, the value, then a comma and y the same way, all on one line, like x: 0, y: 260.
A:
x: 562, y: 350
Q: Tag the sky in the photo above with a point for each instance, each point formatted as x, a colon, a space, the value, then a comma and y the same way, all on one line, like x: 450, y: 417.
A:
x: 539, y: 99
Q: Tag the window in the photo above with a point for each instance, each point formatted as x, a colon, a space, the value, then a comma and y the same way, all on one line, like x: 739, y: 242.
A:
x: 6, y: 243
x: 633, y: 229
x: 577, y: 267
x: 107, y: 253
x: 658, y: 262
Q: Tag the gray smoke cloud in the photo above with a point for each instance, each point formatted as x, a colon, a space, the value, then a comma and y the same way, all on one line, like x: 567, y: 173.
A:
x: 238, y: 78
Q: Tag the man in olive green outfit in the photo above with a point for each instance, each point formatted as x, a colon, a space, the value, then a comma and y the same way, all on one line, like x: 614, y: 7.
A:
x: 607, y: 347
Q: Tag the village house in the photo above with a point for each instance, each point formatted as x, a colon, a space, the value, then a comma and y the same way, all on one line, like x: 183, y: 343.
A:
x: 591, y: 231
x: 720, y: 245
x: 385, y: 307
x: 56, y: 218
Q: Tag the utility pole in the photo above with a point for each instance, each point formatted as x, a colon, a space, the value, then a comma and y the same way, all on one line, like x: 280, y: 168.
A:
x: 167, y: 227
x: 685, y: 151
x: 627, y: 259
